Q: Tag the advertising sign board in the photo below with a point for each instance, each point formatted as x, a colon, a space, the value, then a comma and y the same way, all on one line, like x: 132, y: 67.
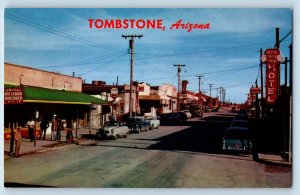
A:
x: 272, y: 74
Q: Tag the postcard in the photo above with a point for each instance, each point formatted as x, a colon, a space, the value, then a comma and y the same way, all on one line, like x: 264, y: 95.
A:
x: 148, y: 97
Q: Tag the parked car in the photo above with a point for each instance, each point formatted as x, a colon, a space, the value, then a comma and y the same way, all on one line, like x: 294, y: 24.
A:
x: 165, y: 117
x: 138, y: 124
x: 154, y: 122
x: 188, y: 114
x: 113, y: 130
x: 237, y: 139
x: 174, y: 117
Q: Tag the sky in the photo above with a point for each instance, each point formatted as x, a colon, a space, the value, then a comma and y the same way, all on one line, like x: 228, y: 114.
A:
x: 227, y: 54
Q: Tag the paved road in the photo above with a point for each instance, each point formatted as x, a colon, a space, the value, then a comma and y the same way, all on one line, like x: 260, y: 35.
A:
x: 185, y: 155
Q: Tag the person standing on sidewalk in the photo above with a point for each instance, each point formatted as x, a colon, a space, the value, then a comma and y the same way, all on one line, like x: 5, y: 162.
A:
x: 44, y: 126
x: 30, y: 124
x: 59, y: 127
x: 18, y: 139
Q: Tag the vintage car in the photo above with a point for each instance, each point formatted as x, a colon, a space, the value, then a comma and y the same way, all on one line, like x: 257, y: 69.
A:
x: 154, y: 122
x: 138, y: 124
x: 173, y: 117
x: 113, y: 130
x: 188, y: 114
x: 237, y: 139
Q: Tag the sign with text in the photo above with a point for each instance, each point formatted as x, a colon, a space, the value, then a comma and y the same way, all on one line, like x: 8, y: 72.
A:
x: 13, y: 96
x: 272, y: 74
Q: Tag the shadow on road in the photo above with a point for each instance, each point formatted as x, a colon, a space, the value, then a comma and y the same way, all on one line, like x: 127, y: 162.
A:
x: 202, y: 136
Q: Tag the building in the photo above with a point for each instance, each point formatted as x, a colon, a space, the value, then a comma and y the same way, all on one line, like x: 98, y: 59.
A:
x: 38, y: 94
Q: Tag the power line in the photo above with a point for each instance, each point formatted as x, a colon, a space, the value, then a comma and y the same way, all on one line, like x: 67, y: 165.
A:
x: 203, y: 51
x: 285, y: 36
x: 56, y: 32
x: 87, y: 63
x: 108, y: 62
x: 213, y: 72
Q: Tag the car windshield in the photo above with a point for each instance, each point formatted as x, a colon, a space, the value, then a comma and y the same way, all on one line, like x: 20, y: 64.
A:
x: 237, y: 134
x: 243, y: 124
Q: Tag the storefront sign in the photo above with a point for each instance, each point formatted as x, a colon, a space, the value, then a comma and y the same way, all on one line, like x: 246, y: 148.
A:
x: 141, y: 89
x: 272, y: 73
x: 13, y: 96
x: 255, y: 90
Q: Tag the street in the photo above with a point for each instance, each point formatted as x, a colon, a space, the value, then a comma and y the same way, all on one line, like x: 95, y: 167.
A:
x: 186, y: 155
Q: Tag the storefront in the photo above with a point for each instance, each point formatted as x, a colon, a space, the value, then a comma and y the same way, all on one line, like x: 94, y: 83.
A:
x: 41, y: 103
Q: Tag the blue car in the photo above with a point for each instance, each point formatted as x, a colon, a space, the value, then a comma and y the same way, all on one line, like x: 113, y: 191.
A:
x: 138, y: 124
x: 237, y: 139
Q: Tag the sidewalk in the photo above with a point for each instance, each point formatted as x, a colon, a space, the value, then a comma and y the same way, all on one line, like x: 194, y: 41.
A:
x: 27, y: 147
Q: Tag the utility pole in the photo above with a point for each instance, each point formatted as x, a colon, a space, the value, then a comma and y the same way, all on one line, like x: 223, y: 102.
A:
x: 221, y: 91
x: 199, y: 77
x: 131, y: 47
x: 210, y: 85
x: 278, y: 68
x: 178, y: 74
x: 291, y: 108
x: 262, y: 85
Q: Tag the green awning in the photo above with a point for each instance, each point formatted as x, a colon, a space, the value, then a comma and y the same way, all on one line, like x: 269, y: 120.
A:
x: 43, y: 95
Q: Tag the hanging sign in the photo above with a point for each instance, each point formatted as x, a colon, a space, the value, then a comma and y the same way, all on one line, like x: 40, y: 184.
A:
x: 13, y: 96
x: 272, y: 60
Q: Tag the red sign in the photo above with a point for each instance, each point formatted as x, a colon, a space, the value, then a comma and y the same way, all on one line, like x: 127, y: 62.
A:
x: 13, y: 96
x: 141, y: 89
x: 272, y: 74
x: 255, y: 90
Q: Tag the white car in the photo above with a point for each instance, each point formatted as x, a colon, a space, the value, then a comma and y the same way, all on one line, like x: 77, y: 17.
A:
x: 188, y: 114
x: 154, y: 122
x: 114, y: 130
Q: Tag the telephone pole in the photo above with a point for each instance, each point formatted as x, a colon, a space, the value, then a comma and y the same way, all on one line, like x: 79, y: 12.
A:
x: 221, y: 92
x: 131, y: 47
x: 199, y: 77
x: 178, y: 74
x: 210, y: 85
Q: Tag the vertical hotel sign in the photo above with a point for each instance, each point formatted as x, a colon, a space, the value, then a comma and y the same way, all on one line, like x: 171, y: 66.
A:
x: 13, y: 96
x: 272, y: 59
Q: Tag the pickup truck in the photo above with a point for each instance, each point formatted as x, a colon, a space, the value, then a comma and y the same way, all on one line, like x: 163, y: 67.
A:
x: 154, y: 122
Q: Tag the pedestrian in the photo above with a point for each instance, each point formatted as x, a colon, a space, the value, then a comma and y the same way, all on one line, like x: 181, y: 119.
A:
x: 44, y: 126
x: 30, y: 124
x: 18, y: 139
x: 59, y: 127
